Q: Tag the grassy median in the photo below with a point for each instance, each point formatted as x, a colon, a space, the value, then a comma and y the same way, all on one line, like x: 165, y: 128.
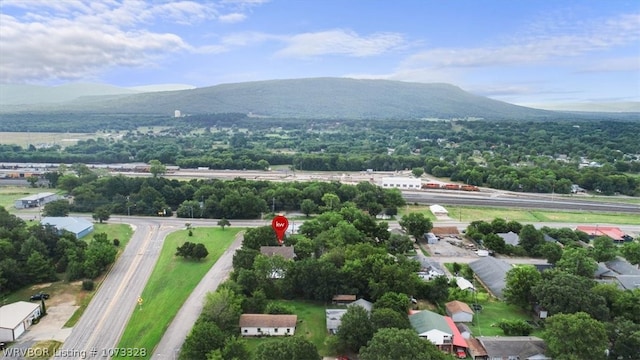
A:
x: 171, y: 282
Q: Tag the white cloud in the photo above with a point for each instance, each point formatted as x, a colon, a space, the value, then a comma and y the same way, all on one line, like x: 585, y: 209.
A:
x: 44, y: 41
x: 340, y: 42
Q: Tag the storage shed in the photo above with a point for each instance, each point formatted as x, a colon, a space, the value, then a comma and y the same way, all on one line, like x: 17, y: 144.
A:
x: 438, y: 210
x: 16, y: 318
x: 459, y: 311
x: 78, y: 226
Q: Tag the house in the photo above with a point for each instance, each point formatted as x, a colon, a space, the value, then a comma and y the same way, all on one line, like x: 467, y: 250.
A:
x: 343, y: 299
x: 459, y: 311
x: 267, y: 325
x: 35, y: 200
x: 287, y: 252
x: 512, y: 348
x: 492, y: 274
x: 622, y: 266
x: 611, y: 232
x: 620, y: 272
x: 78, y: 226
x: 334, y: 316
x: 440, y: 330
x: 401, y: 183
x: 438, y: 210
x: 15, y: 319
x: 510, y: 238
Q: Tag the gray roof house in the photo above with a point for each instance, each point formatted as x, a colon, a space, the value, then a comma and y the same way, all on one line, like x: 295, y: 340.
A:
x: 622, y: 266
x: 514, y: 347
x: 78, y: 226
x: 510, y: 238
x: 492, y: 273
x: 334, y: 316
x: 286, y: 252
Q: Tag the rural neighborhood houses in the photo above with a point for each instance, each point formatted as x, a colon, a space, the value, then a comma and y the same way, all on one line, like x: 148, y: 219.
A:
x: 334, y: 316
x: 507, y: 348
x: 267, y: 325
x: 16, y: 318
x: 440, y: 330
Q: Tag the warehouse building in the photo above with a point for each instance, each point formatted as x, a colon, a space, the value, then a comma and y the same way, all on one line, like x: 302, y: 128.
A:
x: 16, y: 318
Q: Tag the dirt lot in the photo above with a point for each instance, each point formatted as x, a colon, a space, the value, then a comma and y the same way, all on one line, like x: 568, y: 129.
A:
x: 450, y: 246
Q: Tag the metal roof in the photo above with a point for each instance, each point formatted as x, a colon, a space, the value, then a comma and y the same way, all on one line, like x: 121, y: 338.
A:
x: 492, y: 272
x: 13, y: 314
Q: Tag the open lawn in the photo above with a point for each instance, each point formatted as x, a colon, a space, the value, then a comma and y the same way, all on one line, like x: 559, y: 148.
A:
x: 493, y: 311
x: 171, y: 282
x: 415, y: 208
x: 9, y: 194
x: 468, y: 214
x: 311, y: 325
x: 37, y: 139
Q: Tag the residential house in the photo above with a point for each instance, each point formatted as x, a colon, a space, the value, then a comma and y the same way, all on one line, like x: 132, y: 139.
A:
x: 334, y: 316
x: 287, y: 252
x: 459, y: 311
x: 611, y: 232
x: 510, y: 238
x: 507, y: 348
x: 491, y: 273
x: 267, y: 325
x: 343, y: 299
x: 440, y: 330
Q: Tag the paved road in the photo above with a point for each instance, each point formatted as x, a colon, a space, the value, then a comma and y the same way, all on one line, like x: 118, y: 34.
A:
x: 105, y: 318
x: 174, y: 336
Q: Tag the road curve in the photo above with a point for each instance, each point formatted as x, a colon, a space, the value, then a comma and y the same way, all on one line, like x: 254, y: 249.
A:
x: 104, y: 320
x: 181, y: 325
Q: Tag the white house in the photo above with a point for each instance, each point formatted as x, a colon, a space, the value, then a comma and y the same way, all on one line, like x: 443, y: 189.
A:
x: 16, y: 318
x: 401, y: 183
x: 267, y: 325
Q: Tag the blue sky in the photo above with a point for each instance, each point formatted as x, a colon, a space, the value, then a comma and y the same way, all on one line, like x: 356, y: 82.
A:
x: 524, y: 52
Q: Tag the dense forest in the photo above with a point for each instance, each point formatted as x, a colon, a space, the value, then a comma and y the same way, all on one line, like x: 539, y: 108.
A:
x: 602, y: 156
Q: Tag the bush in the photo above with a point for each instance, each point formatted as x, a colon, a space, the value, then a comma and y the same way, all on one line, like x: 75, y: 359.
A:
x: 275, y: 308
x: 116, y: 242
x: 515, y: 327
x: 87, y: 285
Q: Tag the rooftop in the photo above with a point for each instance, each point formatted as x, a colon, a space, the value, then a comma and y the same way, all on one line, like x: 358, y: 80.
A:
x: 268, y: 320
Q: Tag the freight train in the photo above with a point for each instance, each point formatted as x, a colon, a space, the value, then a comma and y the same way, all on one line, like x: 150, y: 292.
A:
x: 432, y: 185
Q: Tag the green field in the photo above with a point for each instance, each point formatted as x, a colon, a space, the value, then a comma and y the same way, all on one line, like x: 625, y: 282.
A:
x: 311, y: 325
x: 164, y: 295
x: 493, y: 311
x: 468, y: 214
x: 9, y: 194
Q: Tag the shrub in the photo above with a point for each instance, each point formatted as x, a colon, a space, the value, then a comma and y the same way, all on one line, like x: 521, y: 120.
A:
x: 116, y: 242
x: 87, y: 285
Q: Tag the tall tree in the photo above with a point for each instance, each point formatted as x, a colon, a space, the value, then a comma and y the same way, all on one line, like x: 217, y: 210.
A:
x: 223, y: 223
x: 575, y: 337
x: 290, y: 348
x: 156, y: 168
x: 57, y: 208
x: 578, y: 262
x: 223, y: 307
x: 355, y: 329
x: 399, y: 344
x: 204, y: 337
x: 519, y: 285
x: 631, y: 252
x: 603, y: 249
x: 416, y: 224
x: 102, y: 213
x: 531, y: 239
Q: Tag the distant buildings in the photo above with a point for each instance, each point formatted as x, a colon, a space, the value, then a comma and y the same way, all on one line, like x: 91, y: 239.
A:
x: 402, y: 183
x: 36, y: 200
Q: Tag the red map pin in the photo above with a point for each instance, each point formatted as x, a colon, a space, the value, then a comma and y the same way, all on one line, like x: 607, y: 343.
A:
x: 280, y: 225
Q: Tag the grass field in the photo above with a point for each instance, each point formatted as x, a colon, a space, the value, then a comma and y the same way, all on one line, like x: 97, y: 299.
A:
x: 25, y: 139
x: 311, y: 325
x: 463, y: 213
x: 164, y: 295
x: 493, y: 311
x: 9, y: 194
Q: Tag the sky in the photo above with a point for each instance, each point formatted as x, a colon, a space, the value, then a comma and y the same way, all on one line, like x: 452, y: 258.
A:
x: 523, y: 52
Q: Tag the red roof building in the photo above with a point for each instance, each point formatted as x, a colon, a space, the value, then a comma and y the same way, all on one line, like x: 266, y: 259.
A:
x: 611, y: 232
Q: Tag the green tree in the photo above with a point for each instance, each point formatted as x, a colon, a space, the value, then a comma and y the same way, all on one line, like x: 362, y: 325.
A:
x: 631, y: 252
x: 102, y: 213
x: 417, y: 171
x: 389, y: 318
x: 399, y: 344
x: 235, y: 348
x: 399, y: 244
x: 290, y: 348
x: 223, y: 222
x: 603, y: 249
x: 99, y: 255
x: 57, y: 208
x: 552, y: 252
x: 399, y: 303
x: 223, y: 307
x: 199, y: 252
x: 331, y: 201
x: 308, y: 207
x: 355, y: 329
x: 575, y: 337
x: 416, y: 224
x: 39, y: 268
x: 156, y: 168
x: 578, y: 262
x: 519, y: 286
x: 33, y: 181
x: 516, y: 327
x: 531, y: 239
x: 204, y: 337
x: 624, y: 336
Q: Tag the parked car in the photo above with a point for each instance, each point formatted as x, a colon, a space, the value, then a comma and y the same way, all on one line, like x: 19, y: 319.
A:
x: 39, y: 296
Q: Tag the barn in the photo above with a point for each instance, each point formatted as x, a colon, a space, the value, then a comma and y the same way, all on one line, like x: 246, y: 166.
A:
x: 35, y: 200
x: 16, y: 318
x: 78, y: 226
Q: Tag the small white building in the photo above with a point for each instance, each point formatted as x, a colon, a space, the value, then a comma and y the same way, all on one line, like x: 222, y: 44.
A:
x: 404, y: 183
x: 177, y: 113
x: 16, y: 318
x: 438, y: 210
x: 267, y: 325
